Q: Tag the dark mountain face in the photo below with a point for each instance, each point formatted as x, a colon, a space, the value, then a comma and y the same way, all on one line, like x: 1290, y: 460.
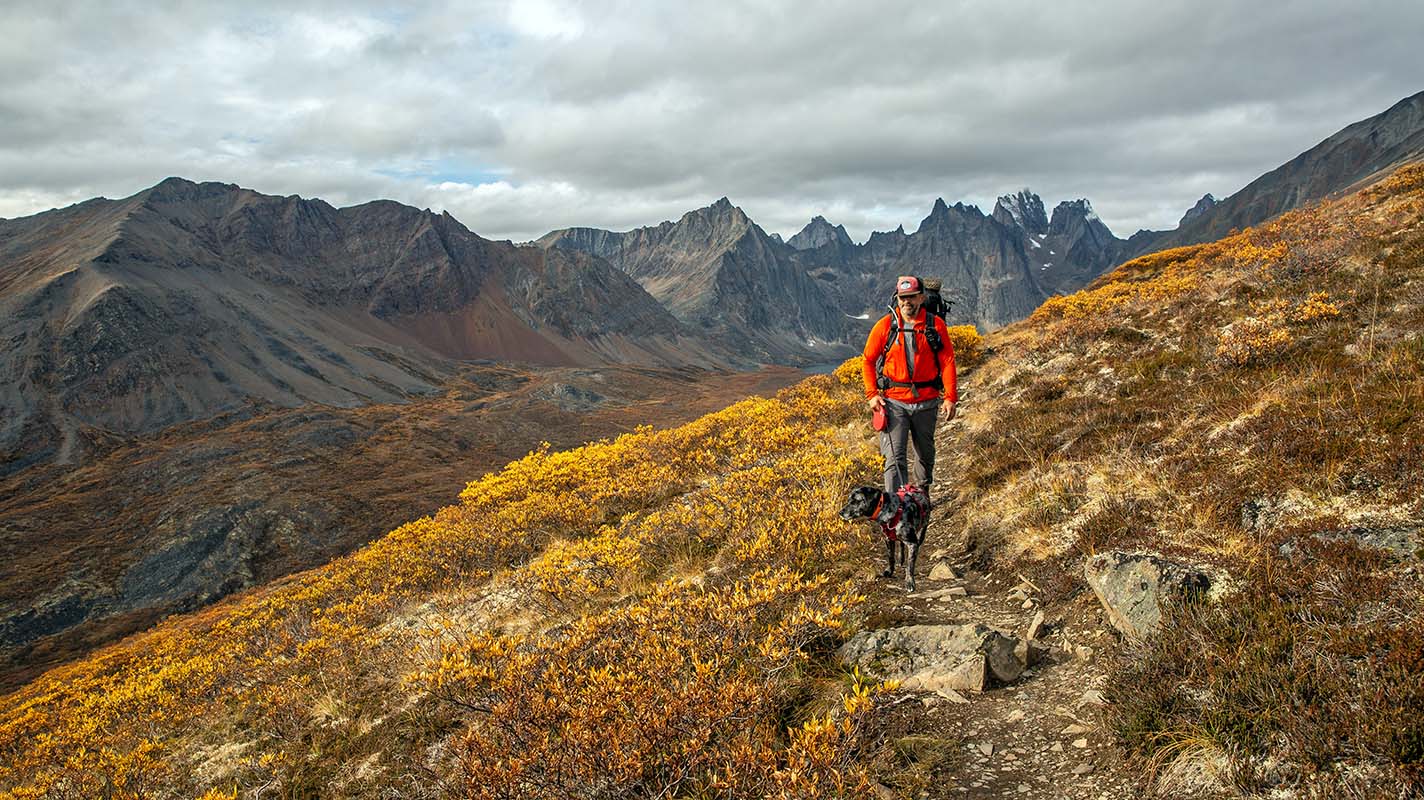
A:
x: 716, y: 269
x: 1354, y: 157
x: 1205, y: 204
x: 820, y: 233
x: 996, y: 269
x: 1024, y: 210
x: 188, y: 300
x: 1079, y: 247
x: 720, y: 273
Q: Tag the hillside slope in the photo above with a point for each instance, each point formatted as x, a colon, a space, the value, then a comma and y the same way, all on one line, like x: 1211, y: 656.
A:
x: 174, y: 521
x: 668, y: 626
x: 1349, y: 159
x: 189, y: 300
x: 1252, y: 407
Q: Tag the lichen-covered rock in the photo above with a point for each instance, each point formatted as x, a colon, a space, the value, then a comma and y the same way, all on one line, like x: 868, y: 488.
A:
x: 968, y: 657
x: 1134, y: 586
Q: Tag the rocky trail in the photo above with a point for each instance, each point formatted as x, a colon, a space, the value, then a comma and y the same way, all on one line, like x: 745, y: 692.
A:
x: 1038, y: 735
x: 1000, y: 695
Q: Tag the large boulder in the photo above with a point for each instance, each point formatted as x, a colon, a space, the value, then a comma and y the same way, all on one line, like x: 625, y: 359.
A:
x: 968, y: 657
x: 1133, y: 587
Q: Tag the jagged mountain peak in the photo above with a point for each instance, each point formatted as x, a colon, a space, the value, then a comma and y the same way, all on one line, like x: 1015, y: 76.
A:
x: 1205, y: 204
x: 818, y: 233
x: 942, y: 213
x: 1023, y: 209
x: 1076, y: 214
x: 722, y: 212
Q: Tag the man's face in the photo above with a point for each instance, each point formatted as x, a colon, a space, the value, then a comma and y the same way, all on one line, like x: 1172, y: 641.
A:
x: 910, y: 303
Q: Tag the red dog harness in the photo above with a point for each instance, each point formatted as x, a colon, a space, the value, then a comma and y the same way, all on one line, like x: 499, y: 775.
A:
x: 909, y: 493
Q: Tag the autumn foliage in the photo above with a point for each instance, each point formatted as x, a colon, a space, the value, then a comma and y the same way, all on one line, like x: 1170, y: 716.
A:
x: 635, y: 616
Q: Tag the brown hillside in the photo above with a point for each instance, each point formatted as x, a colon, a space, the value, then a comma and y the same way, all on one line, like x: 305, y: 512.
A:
x: 175, y: 521
x: 660, y: 615
x: 1254, y: 406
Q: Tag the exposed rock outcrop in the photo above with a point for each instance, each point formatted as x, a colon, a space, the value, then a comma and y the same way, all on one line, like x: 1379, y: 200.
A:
x: 1023, y: 209
x: 1134, y: 588
x: 968, y: 657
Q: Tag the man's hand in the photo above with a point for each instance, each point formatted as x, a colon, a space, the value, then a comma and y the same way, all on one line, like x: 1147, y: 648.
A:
x: 875, y: 403
x: 950, y: 410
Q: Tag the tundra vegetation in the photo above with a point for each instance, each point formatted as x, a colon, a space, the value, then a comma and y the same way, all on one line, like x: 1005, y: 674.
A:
x: 657, y: 614
x: 1256, y: 404
x: 651, y: 614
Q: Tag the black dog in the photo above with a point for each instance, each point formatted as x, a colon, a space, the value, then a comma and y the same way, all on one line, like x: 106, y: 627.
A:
x: 903, y: 518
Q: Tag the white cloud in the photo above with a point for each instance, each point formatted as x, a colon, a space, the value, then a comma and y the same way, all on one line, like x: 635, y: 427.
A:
x: 545, y: 19
x: 527, y: 115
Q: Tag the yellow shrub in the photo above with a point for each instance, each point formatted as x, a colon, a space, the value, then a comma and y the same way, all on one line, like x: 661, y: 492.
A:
x: 1252, y: 340
x: 968, y: 345
x: 579, y: 526
x: 1315, y: 307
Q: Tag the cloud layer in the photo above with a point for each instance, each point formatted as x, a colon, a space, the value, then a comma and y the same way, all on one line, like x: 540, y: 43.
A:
x: 519, y: 117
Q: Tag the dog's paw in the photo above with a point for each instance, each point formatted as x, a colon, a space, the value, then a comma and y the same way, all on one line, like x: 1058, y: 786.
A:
x: 887, y: 573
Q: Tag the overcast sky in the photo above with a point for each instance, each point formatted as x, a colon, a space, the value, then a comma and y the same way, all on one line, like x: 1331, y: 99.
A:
x: 521, y: 117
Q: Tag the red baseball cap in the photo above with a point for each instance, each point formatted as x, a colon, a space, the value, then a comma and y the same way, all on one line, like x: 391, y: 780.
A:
x: 907, y: 284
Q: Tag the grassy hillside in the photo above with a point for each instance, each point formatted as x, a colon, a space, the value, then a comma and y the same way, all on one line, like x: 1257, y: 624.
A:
x: 656, y: 615
x: 645, y: 613
x: 1256, y: 404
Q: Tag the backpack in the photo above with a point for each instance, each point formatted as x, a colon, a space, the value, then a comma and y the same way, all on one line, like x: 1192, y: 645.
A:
x: 935, y: 303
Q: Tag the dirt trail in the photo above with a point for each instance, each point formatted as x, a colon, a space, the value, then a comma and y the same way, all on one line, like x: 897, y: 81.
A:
x: 1042, y: 735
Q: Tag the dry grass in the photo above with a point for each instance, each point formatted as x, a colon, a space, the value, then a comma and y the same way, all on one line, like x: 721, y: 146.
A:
x: 1214, y: 402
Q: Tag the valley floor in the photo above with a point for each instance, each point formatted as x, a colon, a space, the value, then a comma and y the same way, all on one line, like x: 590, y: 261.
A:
x: 288, y: 489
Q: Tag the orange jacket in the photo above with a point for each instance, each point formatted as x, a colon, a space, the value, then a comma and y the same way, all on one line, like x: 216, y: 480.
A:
x: 896, y: 370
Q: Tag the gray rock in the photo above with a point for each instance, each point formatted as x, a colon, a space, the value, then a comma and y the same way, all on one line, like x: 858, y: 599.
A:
x: 1134, y: 586
x: 1403, y: 540
x: 1035, y: 627
x: 933, y: 657
x: 942, y: 572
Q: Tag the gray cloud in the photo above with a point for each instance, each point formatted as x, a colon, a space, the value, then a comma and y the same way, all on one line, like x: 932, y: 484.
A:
x: 523, y: 116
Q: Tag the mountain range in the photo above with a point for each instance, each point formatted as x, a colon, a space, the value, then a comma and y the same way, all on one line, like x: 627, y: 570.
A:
x: 717, y: 270
x: 178, y: 339
x: 187, y: 300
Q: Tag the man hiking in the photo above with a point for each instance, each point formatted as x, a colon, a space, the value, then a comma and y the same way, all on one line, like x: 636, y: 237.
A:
x: 909, y: 372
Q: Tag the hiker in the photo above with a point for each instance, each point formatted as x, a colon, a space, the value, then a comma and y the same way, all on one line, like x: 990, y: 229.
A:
x: 909, y: 374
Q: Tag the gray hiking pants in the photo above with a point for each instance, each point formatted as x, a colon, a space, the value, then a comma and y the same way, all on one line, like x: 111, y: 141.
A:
x: 903, y: 423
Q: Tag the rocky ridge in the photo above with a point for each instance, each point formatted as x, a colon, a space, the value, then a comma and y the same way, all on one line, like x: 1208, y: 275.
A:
x: 996, y: 268
x: 721, y: 274
x: 189, y: 300
x: 1355, y: 156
